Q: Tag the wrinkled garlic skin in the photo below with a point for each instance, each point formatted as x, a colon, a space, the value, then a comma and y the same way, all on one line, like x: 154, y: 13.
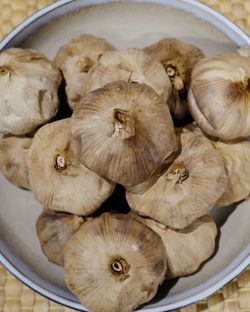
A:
x: 187, y: 190
x: 75, y: 59
x: 178, y: 59
x: 114, y: 263
x: 188, y: 248
x: 53, y: 230
x: 55, y: 174
x: 113, y: 125
x: 29, y: 85
x: 13, y: 154
x: 131, y: 65
x: 219, y: 96
x: 236, y: 156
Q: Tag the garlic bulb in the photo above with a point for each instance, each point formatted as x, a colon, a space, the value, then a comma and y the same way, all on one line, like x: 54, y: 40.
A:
x: 188, y: 248
x: 29, y: 84
x: 131, y: 65
x: 53, y: 230
x: 219, y: 97
x: 236, y: 156
x: 114, y: 263
x: 13, y: 154
x: 124, y: 132
x: 187, y: 190
x: 58, y: 180
x: 178, y: 59
x: 75, y: 59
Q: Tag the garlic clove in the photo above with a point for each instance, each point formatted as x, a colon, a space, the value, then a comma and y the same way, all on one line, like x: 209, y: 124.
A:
x: 187, y: 190
x: 31, y: 78
x: 75, y: 59
x: 131, y: 65
x: 13, y: 154
x: 178, y: 59
x: 53, y: 230
x: 113, y: 124
x: 114, y: 263
x: 220, y: 95
x: 55, y: 174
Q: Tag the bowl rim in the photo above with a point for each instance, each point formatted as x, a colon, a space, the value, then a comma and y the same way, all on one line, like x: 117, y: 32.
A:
x: 241, y: 262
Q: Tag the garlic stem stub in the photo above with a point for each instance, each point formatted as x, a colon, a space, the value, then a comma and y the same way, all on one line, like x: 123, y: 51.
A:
x: 131, y: 65
x: 58, y: 180
x: 187, y: 190
x: 114, y: 263
x: 53, y: 230
x: 178, y: 59
x: 29, y: 85
x: 13, y: 164
x: 219, y: 97
x: 75, y: 59
x: 113, y: 134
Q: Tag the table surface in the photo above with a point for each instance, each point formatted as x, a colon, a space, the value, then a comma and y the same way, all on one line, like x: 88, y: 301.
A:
x: 14, y: 296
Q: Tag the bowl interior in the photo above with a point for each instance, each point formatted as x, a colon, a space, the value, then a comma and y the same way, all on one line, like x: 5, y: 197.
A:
x: 124, y: 25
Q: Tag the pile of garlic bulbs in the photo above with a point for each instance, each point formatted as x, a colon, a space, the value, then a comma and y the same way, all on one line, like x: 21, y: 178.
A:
x: 122, y: 144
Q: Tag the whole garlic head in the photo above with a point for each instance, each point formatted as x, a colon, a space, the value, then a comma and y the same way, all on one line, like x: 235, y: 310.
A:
x: 13, y: 154
x: 131, y: 65
x: 114, y: 263
x: 178, y: 59
x: 75, y: 59
x: 219, y: 96
x: 29, y: 85
x: 58, y: 180
x: 187, y: 190
x: 124, y: 132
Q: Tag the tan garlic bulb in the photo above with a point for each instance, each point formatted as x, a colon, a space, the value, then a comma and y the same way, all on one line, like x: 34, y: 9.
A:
x: 114, y: 263
x: 53, y: 230
x: 58, y: 180
x: 131, y: 65
x: 29, y: 85
x: 187, y: 190
x: 236, y: 156
x: 124, y: 132
x: 75, y: 59
x: 178, y: 59
x: 219, y: 96
x: 13, y: 154
x: 188, y: 248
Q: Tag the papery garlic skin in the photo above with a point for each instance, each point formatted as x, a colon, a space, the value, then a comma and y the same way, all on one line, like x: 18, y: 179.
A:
x: 75, y: 59
x: 29, y: 85
x: 114, y: 263
x: 187, y: 190
x: 244, y: 51
x: 178, y: 59
x: 131, y: 65
x: 219, y: 97
x: 13, y: 154
x: 55, y: 174
x: 124, y: 132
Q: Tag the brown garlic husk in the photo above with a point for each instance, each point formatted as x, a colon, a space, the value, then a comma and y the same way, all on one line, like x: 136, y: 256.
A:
x: 54, y: 229
x: 13, y: 154
x: 188, y: 248
x: 29, y: 85
x: 187, y: 190
x: 114, y: 263
x: 178, y: 59
x: 75, y: 59
x: 131, y: 65
x: 236, y: 156
x: 58, y: 179
x: 219, y: 96
x: 113, y: 124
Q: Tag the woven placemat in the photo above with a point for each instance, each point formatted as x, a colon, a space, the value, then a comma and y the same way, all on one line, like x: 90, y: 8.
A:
x: 14, y: 296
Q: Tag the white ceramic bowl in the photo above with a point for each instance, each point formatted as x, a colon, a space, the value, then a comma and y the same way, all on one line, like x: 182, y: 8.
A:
x: 127, y: 23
